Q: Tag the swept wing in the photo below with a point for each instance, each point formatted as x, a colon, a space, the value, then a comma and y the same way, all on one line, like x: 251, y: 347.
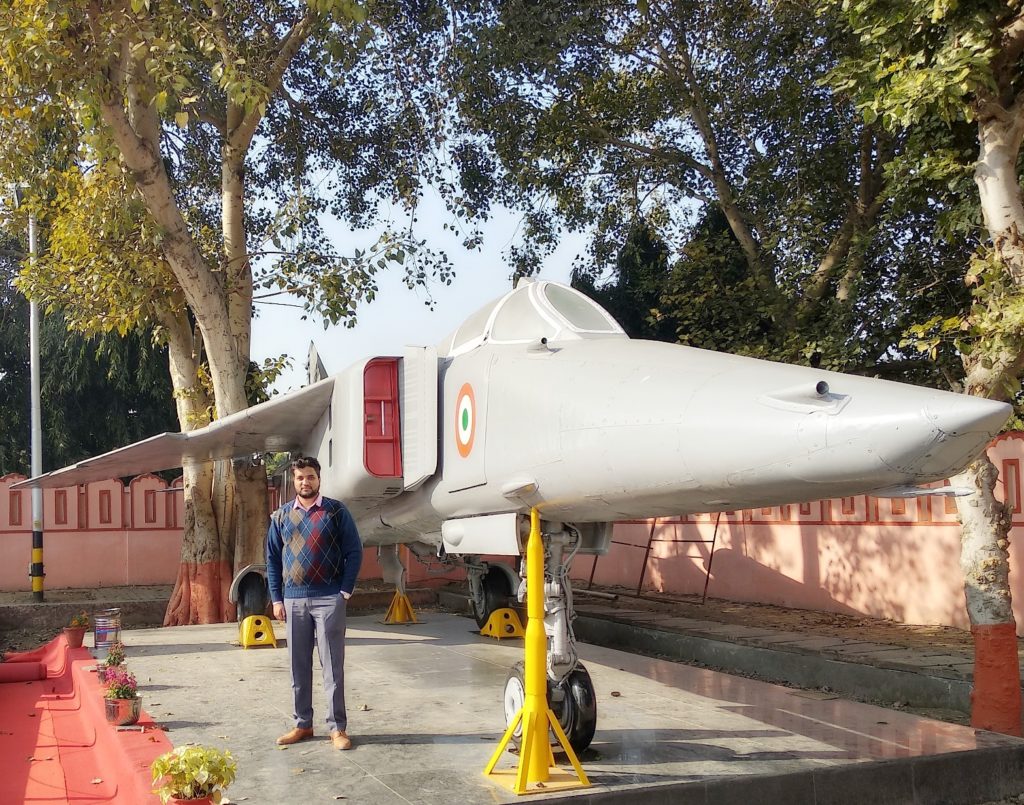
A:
x: 280, y: 424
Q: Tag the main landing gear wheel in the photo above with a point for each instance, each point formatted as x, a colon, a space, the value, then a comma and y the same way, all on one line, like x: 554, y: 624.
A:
x: 253, y: 598
x: 497, y: 592
x: 572, y: 701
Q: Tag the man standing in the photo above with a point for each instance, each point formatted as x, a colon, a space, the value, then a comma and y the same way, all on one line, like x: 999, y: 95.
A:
x: 314, y: 552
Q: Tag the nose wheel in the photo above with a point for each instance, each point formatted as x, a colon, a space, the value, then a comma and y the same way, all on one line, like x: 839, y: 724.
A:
x: 572, y: 701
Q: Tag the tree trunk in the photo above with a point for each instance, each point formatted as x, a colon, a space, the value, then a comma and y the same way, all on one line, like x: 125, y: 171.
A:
x: 204, y: 576
x: 250, y: 513
x: 246, y: 516
x: 984, y: 559
x: 200, y: 592
x: 995, y: 175
x: 227, y: 506
x: 992, y: 370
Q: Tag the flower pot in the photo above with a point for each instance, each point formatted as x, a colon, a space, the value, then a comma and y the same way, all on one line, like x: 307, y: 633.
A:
x: 203, y: 801
x: 74, y: 635
x: 123, y: 711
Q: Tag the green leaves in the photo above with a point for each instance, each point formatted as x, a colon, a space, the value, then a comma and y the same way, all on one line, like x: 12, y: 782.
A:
x: 193, y: 772
x: 920, y: 58
x: 332, y: 285
x: 930, y: 65
x: 340, y: 9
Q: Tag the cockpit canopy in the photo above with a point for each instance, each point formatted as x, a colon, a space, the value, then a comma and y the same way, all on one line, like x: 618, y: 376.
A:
x: 534, y: 310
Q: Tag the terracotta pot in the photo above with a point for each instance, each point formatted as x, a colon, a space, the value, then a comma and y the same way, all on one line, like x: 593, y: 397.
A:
x: 74, y: 635
x: 121, y: 712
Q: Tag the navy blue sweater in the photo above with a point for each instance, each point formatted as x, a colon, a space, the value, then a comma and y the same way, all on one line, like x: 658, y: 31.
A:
x: 312, y: 553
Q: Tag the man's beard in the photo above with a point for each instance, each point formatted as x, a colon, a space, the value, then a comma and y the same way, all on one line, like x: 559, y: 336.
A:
x: 311, y: 495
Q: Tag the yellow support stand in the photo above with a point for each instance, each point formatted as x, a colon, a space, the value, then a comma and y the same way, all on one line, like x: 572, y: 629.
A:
x: 256, y: 631
x: 537, y: 772
x: 400, y: 610
x: 503, y: 622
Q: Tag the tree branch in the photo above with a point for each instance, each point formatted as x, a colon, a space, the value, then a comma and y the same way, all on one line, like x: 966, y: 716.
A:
x: 723, y: 187
x: 670, y: 156
x: 860, y: 215
x: 1010, y: 47
x: 143, y: 159
x: 241, y: 135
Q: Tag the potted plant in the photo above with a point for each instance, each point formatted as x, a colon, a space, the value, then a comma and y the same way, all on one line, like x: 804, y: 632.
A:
x: 193, y: 774
x: 74, y: 632
x: 114, y: 659
x: 123, y: 704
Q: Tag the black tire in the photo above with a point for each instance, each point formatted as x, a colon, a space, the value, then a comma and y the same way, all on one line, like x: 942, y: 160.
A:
x: 497, y: 591
x: 253, y: 597
x: 582, y: 720
x: 575, y: 708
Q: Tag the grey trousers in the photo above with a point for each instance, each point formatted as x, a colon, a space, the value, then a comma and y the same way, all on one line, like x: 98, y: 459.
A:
x: 320, y: 620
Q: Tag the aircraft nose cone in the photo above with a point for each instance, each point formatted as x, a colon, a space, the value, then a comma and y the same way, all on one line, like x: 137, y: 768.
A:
x: 965, y: 414
x: 960, y: 426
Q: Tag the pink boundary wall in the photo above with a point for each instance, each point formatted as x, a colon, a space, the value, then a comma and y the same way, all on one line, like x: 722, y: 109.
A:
x: 105, y: 534
x: 887, y: 558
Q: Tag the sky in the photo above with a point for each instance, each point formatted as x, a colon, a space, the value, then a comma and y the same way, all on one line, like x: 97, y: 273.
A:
x: 400, y: 316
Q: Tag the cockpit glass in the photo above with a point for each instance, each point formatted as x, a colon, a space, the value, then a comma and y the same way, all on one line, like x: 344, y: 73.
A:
x: 518, y: 320
x: 578, y: 310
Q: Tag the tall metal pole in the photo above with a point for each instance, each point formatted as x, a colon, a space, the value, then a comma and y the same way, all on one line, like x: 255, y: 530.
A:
x: 36, y: 572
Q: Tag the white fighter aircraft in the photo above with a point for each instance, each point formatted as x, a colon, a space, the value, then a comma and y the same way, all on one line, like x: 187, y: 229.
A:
x: 541, y: 400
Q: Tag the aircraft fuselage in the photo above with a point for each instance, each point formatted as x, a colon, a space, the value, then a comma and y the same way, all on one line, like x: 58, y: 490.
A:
x: 608, y: 429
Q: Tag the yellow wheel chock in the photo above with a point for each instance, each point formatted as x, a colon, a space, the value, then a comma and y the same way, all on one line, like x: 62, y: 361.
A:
x: 536, y: 771
x: 400, y: 610
x: 256, y: 631
x: 503, y: 622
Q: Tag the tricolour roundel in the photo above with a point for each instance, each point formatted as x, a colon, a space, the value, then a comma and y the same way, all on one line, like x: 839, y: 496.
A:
x: 465, y: 420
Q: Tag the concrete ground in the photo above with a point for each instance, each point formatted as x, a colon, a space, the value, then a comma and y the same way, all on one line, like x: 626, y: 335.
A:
x: 432, y: 699
x: 928, y: 668
x: 425, y: 713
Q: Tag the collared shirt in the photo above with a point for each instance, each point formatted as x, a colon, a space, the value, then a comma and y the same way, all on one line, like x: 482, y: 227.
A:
x: 318, y: 502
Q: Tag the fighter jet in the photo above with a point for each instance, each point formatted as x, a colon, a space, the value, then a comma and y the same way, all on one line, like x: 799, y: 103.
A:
x: 540, y: 399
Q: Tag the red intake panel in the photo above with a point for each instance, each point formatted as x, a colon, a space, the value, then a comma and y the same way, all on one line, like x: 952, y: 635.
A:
x: 382, y: 439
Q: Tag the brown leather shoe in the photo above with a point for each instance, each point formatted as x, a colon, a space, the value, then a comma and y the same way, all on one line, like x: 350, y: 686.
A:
x: 340, y: 740
x: 295, y: 735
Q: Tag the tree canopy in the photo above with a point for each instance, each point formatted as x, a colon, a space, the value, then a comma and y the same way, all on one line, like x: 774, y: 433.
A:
x: 711, y: 126
x: 97, y: 392
x: 183, y: 154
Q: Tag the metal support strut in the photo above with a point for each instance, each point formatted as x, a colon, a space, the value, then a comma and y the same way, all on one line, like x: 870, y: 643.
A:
x: 536, y: 760
x: 400, y: 610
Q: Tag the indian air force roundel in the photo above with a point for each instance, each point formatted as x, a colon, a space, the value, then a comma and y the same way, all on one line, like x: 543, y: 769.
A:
x: 465, y: 420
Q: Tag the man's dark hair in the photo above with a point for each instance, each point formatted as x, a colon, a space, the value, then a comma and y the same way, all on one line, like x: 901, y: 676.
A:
x: 304, y: 462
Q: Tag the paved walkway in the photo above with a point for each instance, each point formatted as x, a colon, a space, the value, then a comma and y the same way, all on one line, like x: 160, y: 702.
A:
x: 925, y: 667
x: 926, y: 670
x: 425, y: 711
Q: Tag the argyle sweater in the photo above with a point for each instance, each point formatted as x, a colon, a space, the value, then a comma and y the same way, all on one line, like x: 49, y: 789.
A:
x: 312, y: 553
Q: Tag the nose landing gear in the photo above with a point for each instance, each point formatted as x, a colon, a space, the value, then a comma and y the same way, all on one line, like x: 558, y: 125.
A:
x: 570, y: 691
